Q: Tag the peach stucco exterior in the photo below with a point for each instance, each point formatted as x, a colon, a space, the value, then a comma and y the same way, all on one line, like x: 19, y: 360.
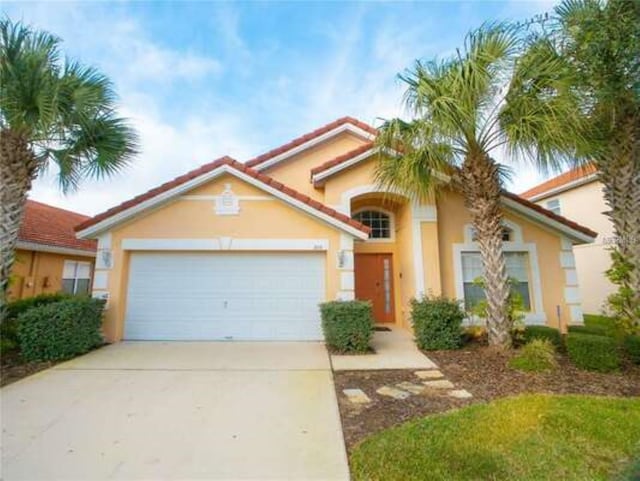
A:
x: 425, y: 244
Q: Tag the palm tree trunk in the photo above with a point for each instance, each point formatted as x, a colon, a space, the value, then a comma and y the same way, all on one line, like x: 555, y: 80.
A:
x: 620, y: 175
x: 18, y: 167
x: 481, y: 187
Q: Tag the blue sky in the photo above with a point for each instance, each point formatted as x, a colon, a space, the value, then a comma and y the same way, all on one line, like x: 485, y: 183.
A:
x: 201, y: 80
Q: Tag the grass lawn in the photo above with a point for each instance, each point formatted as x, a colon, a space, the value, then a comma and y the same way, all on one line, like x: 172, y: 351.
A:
x: 530, y: 437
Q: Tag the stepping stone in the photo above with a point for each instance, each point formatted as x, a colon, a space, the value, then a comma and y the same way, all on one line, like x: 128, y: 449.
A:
x: 439, y: 384
x: 409, y: 386
x: 356, y: 396
x: 460, y: 394
x: 435, y: 374
x: 393, y: 392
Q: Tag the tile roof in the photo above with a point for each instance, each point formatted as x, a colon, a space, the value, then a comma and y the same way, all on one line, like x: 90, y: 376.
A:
x: 559, y: 181
x: 342, y: 158
x: 310, y: 136
x: 50, y: 226
x: 320, y: 207
x: 549, y: 214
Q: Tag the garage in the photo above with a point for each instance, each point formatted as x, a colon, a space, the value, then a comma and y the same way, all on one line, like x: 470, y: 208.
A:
x: 224, y: 296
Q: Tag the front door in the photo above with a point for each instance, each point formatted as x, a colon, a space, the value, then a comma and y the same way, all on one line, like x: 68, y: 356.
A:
x: 374, y: 282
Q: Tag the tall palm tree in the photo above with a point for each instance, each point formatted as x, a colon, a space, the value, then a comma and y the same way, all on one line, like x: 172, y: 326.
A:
x: 51, y: 111
x: 600, y: 43
x: 463, y: 111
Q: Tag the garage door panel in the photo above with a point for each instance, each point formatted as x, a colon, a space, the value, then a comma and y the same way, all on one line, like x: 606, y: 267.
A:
x: 225, y: 296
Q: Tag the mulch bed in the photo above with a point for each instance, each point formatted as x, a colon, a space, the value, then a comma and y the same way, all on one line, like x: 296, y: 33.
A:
x: 480, y: 370
x: 13, y: 368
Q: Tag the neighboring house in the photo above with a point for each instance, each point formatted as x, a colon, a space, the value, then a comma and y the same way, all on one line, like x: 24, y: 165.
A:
x: 248, y: 250
x: 49, y: 258
x: 577, y: 194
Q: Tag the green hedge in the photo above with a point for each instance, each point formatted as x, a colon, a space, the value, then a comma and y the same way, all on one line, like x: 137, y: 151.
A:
x: 594, y: 330
x: 542, y: 332
x: 347, y: 325
x: 60, y: 330
x: 9, y: 326
x: 632, y: 348
x: 592, y: 352
x: 437, y: 323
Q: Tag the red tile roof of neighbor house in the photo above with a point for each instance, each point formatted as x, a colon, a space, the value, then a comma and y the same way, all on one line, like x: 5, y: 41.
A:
x: 50, y: 226
x: 310, y: 136
x: 210, y: 167
x: 559, y: 181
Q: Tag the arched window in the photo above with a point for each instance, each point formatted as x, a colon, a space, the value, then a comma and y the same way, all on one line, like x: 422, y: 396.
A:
x: 379, y: 222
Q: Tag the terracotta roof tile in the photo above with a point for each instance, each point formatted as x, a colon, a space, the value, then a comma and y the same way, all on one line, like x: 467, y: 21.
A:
x: 310, y: 136
x: 50, y: 226
x: 210, y: 167
x: 562, y: 179
x: 342, y: 158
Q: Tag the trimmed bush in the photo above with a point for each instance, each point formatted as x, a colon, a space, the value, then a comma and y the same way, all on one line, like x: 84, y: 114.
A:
x: 347, y: 325
x: 9, y: 326
x: 535, y: 356
x: 437, y: 323
x: 592, y: 330
x: 543, y: 332
x: 592, y: 352
x: 632, y: 348
x: 60, y: 330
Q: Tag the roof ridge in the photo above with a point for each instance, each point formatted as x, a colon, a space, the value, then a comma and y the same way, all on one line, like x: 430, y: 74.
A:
x: 310, y: 136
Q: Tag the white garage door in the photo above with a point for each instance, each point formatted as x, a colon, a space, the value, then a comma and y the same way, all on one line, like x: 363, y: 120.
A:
x: 241, y: 296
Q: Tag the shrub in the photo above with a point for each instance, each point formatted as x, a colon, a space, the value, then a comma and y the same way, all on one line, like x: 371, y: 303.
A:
x: 592, y: 330
x: 437, y: 323
x: 632, y: 348
x: 347, y: 325
x: 9, y: 326
x: 542, y: 332
x: 535, y: 356
x: 592, y: 352
x: 474, y: 334
x: 60, y: 330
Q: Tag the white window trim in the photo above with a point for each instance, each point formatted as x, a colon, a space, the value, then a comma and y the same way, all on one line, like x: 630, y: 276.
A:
x: 75, y: 277
x: 392, y: 223
x: 516, y: 230
x: 537, y: 314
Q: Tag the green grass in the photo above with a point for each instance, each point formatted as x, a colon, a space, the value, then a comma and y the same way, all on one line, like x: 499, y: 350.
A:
x: 532, y: 437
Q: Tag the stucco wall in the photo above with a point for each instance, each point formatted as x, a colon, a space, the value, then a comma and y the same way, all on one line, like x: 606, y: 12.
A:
x: 585, y: 205
x: 36, y: 273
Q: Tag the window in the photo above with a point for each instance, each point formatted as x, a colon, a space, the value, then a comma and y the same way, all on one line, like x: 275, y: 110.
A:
x: 76, y: 277
x: 554, y: 206
x: 517, y: 269
x: 507, y: 235
x: 378, y: 222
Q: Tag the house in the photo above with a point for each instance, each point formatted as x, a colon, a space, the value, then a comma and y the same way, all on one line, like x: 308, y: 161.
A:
x: 49, y: 258
x: 246, y: 251
x: 577, y: 194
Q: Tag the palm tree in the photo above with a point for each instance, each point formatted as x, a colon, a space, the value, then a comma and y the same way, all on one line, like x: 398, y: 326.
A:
x: 600, y: 43
x: 463, y: 111
x: 51, y: 110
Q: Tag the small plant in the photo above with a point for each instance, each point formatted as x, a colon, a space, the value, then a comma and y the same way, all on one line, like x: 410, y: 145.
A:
x: 529, y: 333
x: 515, y: 309
x: 347, y: 325
x: 625, y: 302
x: 475, y: 333
x: 632, y: 348
x: 60, y: 330
x: 535, y: 356
x: 592, y: 352
x: 437, y: 323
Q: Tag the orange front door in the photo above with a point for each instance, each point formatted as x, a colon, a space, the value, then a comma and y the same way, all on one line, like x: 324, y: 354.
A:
x: 374, y: 282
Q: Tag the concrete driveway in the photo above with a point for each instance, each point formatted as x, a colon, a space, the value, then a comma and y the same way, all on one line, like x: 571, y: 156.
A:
x: 177, y: 410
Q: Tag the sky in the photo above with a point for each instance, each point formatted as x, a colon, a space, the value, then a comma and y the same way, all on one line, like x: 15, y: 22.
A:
x: 200, y: 80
